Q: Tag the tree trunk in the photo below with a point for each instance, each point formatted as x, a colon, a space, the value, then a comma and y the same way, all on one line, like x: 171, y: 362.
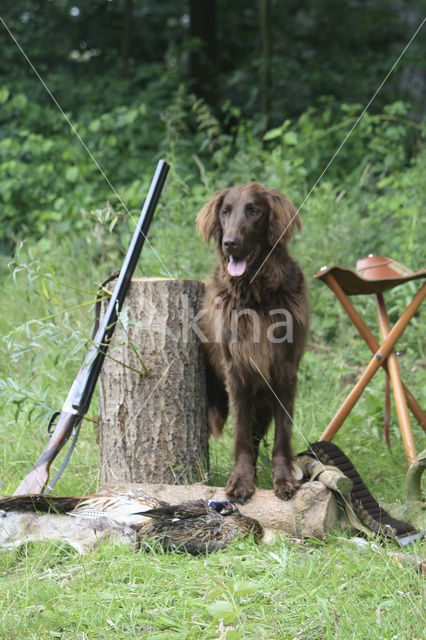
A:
x: 311, y: 513
x: 265, y: 28
x: 153, y: 426
x: 203, y: 60
x: 126, y: 44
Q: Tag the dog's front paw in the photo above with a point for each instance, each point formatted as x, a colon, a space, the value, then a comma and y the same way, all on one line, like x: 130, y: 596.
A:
x: 285, y: 488
x: 240, y: 487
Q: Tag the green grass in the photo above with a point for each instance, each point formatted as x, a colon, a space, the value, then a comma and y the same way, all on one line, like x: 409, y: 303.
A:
x: 285, y: 590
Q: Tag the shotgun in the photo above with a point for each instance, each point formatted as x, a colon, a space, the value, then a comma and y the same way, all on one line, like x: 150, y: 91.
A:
x: 79, y: 397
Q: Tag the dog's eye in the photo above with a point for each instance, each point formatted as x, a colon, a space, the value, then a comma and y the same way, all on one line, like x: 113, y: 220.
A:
x: 224, y: 211
x: 252, y: 211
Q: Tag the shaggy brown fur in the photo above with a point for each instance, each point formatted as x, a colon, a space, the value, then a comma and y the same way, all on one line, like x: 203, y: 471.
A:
x: 246, y: 222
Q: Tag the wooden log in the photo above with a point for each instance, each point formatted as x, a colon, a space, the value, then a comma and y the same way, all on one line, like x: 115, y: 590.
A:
x: 153, y: 428
x: 311, y: 513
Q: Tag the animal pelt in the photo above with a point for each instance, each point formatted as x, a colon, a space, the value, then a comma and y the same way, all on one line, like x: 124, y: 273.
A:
x: 254, y: 322
x: 19, y: 528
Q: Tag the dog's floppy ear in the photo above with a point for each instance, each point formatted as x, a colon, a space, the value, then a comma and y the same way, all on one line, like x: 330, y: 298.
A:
x: 283, y: 218
x: 207, y: 219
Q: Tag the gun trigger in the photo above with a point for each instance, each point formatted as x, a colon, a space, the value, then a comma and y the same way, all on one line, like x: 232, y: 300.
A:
x: 50, y: 427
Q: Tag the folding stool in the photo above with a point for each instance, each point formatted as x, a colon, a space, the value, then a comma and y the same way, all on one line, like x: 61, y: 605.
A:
x: 375, y: 275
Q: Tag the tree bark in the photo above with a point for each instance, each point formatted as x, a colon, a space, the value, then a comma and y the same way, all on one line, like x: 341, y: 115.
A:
x: 126, y: 44
x: 311, y: 513
x: 265, y: 28
x: 203, y: 61
x: 153, y: 427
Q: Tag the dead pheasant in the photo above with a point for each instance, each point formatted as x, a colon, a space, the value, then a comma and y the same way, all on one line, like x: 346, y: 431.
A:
x: 194, y: 527
x: 124, y: 508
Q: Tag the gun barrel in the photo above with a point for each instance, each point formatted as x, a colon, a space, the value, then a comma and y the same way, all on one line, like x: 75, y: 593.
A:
x: 79, y: 398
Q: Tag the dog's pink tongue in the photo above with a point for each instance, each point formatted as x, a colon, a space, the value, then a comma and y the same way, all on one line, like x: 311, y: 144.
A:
x: 236, y: 267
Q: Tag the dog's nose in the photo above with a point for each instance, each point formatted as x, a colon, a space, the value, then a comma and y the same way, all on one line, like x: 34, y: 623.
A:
x: 231, y: 244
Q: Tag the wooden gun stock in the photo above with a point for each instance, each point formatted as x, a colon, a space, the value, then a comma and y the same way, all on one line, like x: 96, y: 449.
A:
x: 35, y: 481
x: 80, y: 394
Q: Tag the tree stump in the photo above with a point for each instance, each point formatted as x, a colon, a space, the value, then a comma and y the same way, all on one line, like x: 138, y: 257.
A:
x: 153, y: 427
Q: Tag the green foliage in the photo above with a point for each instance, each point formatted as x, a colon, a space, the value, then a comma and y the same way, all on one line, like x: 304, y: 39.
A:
x: 51, y: 169
x: 319, y: 47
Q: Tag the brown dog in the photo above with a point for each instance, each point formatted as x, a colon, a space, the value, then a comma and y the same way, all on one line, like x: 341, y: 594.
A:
x: 255, y: 320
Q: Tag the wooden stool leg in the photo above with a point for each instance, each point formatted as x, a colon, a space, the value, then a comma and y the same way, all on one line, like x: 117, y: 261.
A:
x: 398, y: 391
x: 375, y: 363
x: 372, y: 343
